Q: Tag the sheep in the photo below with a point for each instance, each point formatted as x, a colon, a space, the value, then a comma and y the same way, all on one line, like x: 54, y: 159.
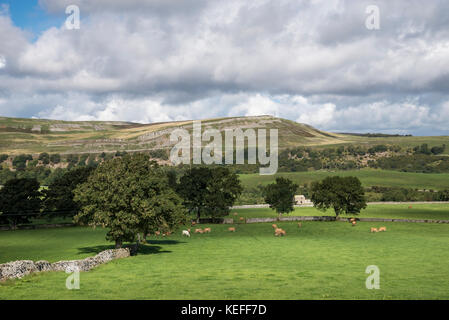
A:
x: 186, y: 233
x: 231, y: 229
x: 199, y: 231
x: 274, y: 226
x: 374, y: 230
x: 207, y: 230
x: 382, y: 229
x: 354, y: 223
x: 157, y: 233
x: 193, y: 223
x: 242, y: 219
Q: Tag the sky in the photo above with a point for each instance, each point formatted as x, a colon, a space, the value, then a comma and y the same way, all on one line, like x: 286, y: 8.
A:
x: 319, y: 62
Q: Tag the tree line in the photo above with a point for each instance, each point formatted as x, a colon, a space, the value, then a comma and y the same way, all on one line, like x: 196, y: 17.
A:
x: 132, y: 196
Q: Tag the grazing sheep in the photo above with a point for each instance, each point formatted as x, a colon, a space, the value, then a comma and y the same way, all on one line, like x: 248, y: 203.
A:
x: 354, y: 223
x: 186, y: 233
x: 299, y: 224
x: 207, y: 230
x: 274, y: 226
x: 374, y: 230
x: 231, y: 229
x: 198, y: 230
x: 382, y: 229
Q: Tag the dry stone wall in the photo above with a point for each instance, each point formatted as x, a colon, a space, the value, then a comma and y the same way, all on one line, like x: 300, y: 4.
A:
x: 21, y: 268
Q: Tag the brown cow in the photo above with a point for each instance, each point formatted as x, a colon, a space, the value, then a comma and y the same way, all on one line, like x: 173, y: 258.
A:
x: 279, y: 232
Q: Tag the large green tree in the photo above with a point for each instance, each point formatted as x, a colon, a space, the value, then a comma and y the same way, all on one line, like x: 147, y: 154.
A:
x: 343, y: 194
x: 19, y: 200
x: 129, y: 196
x: 58, y: 199
x: 281, y: 195
x: 209, y: 191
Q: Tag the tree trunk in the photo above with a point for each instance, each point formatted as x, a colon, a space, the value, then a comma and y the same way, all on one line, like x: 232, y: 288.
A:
x: 118, y: 244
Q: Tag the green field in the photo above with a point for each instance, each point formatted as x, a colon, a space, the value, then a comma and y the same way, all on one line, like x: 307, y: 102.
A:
x: 368, y: 177
x: 322, y: 260
x: 391, y: 211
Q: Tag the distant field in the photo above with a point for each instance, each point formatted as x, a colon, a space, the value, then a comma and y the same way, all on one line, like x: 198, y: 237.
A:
x: 405, y: 142
x: 368, y: 177
x: 322, y: 260
x: 392, y: 211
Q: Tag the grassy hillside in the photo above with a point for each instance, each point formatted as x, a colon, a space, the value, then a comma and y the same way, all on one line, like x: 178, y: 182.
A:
x: 39, y: 135
x: 368, y: 177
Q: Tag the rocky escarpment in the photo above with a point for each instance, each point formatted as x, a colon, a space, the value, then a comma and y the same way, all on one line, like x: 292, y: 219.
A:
x: 21, y: 268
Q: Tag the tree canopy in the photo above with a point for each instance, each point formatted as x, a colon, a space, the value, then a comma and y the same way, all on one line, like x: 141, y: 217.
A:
x: 59, y: 195
x: 19, y: 200
x: 343, y: 194
x: 281, y: 195
x: 129, y: 196
x: 209, y: 191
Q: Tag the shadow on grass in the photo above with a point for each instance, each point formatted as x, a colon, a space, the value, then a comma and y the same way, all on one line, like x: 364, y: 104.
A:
x: 151, y: 247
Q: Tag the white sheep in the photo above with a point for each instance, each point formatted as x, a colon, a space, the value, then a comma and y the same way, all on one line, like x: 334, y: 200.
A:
x: 186, y: 233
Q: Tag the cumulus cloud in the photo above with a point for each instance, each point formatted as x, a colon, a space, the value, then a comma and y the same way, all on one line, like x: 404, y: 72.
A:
x: 313, y: 62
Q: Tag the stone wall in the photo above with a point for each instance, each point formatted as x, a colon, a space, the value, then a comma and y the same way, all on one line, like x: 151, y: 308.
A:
x: 21, y: 268
x: 38, y: 226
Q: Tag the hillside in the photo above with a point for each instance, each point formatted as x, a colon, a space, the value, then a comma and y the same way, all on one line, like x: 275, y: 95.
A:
x: 33, y: 136
x: 36, y: 135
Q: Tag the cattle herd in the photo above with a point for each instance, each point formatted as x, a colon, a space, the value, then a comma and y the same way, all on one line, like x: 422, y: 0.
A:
x: 277, y: 231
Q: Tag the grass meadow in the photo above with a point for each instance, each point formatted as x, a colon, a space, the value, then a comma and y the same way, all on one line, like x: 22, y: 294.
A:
x: 388, y: 211
x: 368, y: 177
x: 321, y: 260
